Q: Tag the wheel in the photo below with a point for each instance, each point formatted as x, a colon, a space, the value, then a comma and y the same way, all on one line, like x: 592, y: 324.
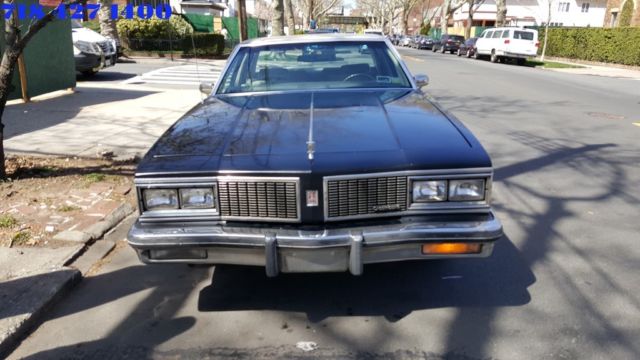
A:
x: 459, y: 53
x: 521, y: 62
x: 434, y: 49
x: 494, y: 57
x: 476, y: 55
x: 89, y: 72
x: 468, y: 54
x: 442, y: 50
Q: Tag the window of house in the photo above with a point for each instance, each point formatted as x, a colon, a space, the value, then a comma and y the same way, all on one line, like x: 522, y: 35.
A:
x: 563, y: 6
x: 585, y: 7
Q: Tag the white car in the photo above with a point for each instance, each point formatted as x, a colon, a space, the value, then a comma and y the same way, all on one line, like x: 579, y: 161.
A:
x: 507, y: 43
x: 91, y: 50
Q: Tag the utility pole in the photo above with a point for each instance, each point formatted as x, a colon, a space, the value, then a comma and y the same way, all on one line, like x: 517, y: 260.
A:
x: 242, y: 19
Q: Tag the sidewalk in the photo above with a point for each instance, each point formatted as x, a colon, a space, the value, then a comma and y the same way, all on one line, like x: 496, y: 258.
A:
x: 92, y: 121
x: 95, y: 119
x: 596, y: 70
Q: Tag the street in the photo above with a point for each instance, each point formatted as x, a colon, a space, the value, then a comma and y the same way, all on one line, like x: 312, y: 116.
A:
x: 561, y: 284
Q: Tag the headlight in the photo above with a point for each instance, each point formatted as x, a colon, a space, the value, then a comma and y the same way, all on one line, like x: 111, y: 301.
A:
x: 87, y: 47
x: 200, y: 198
x: 158, y: 199
x: 466, y: 190
x: 428, y: 191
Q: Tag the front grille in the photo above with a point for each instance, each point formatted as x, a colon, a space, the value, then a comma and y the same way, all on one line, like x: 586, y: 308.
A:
x: 357, y: 197
x: 106, y: 46
x: 258, y: 199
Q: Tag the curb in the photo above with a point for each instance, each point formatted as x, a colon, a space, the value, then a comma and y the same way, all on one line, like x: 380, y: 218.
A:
x: 26, y: 300
x: 98, y: 229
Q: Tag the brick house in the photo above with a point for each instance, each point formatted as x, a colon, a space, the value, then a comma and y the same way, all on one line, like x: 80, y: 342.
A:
x: 615, y: 10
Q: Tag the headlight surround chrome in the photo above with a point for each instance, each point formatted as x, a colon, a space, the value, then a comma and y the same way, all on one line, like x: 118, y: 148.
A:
x: 87, y: 47
x: 429, y: 191
x: 197, y: 198
x: 466, y: 190
x: 160, y: 199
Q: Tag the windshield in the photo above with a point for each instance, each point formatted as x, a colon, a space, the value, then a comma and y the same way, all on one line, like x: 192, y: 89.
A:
x: 310, y: 66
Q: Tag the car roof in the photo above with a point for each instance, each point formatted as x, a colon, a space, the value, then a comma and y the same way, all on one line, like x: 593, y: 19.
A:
x: 310, y: 38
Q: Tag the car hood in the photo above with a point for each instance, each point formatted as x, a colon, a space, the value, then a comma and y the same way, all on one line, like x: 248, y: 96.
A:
x: 329, y: 132
x: 87, y: 35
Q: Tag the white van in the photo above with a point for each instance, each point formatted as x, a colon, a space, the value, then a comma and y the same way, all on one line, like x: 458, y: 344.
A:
x: 507, y: 43
x: 91, y: 50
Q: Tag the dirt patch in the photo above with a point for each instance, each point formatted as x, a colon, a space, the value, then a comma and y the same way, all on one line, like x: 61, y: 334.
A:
x: 47, y: 195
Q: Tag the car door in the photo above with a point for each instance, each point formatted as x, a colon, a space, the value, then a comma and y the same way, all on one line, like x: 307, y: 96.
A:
x: 483, y: 42
x: 523, y: 41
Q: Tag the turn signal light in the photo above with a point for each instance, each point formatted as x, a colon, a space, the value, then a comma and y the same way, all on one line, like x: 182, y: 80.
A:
x: 451, y: 248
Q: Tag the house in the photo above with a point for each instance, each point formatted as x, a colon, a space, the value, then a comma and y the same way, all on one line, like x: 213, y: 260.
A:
x: 618, y: 11
x: 575, y: 13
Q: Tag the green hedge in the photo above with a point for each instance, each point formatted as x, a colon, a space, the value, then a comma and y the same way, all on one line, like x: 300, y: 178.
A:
x: 205, y: 44
x: 611, y: 45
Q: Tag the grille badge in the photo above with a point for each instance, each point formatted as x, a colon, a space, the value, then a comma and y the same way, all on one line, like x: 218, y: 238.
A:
x: 312, y: 198
x: 385, y: 208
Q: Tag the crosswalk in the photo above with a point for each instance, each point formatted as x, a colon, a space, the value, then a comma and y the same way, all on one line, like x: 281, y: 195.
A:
x: 191, y: 75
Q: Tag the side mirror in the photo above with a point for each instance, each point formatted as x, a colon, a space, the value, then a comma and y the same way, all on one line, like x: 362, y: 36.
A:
x: 421, y: 80
x: 206, y: 88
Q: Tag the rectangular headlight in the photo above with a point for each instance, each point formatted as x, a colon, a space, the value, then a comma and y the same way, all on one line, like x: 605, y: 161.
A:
x: 158, y: 199
x: 197, y: 198
x: 429, y: 191
x: 466, y: 190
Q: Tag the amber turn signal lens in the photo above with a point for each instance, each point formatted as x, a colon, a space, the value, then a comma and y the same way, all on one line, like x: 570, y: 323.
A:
x: 451, y: 248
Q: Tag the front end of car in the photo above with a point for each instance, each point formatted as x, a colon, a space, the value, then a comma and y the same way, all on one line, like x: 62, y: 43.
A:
x: 289, y: 224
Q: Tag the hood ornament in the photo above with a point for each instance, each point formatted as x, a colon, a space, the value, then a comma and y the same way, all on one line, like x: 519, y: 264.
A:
x: 311, y: 145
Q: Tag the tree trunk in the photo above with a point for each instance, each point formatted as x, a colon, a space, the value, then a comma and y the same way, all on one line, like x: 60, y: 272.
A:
x: 277, y: 23
x: 310, y: 13
x: 501, y: 12
x: 546, y: 31
x: 107, y: 25
x: 291, y: 18
x: 467, y: 28
x: 444, y: 17
x: 405, y: 22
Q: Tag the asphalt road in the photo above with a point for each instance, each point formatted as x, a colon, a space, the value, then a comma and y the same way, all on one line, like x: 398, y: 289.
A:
x: 562, y: 284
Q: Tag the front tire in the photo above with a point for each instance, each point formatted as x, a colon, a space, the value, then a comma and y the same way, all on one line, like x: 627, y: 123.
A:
x: 442, y: 50
x: 494, y: 57
x: 521, y: 62
x: 434, y: 49
x: 476, y: 55
x: 468, y: 54
x: 458, y: 53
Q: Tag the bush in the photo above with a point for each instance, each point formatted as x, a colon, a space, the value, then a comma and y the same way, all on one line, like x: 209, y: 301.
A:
x: 205, y: 44
x: 154, y: 28
x: 611, y: 45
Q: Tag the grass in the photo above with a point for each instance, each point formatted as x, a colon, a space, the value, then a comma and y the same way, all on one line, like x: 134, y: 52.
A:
x: 21, y: 238
x: 552, y: 65
x: 94, y: 177
x: 68, y: 208
x: 7, y: 221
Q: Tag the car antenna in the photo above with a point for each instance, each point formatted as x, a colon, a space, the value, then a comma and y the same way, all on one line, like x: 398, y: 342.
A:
x: 195, y: 56
x: 311, y: 145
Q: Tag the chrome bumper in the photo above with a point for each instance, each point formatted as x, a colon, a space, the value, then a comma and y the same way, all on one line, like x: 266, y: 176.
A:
x: 291, y: 250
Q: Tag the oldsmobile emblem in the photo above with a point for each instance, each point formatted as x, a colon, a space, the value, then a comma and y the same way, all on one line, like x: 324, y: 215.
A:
x: 385, y: 208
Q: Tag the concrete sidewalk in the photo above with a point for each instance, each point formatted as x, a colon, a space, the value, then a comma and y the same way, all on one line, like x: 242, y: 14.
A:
x: 596, y: 70
x: 95, y: 119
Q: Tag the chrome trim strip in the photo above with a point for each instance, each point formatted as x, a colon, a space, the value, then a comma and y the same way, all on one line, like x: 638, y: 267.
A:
x: 305, y: 91
x: 478, y: 207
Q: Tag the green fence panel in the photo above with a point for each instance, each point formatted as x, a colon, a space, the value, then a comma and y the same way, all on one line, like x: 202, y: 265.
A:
x: 48, y: 58
x: 202, y: 23
x: 435, y: 33
x: 231, y: 24
x: 479, y: 29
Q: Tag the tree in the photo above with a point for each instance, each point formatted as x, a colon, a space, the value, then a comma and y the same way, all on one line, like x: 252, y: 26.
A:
x: 546, y: 30
x: 14, y: 46
x: 626, y: 14
x: 107, y: 24
x: 277, y: 23
x: 501, y: 12
x: 405, y: 10
x: 316, y: 9
x: 291, y: 17
x: 473, y: 7
x: 448, y: 8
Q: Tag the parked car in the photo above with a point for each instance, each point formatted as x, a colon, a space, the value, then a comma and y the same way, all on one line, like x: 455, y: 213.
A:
x: 91, y: 51
x: 449, y: 43
x: 299, y: 164
x: 406, y: 41
x: 425, y: 43
x: 508, y: 43
x: 468, y: 48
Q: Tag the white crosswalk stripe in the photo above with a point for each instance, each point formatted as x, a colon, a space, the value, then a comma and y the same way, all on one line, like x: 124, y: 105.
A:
x: 180, y: 75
